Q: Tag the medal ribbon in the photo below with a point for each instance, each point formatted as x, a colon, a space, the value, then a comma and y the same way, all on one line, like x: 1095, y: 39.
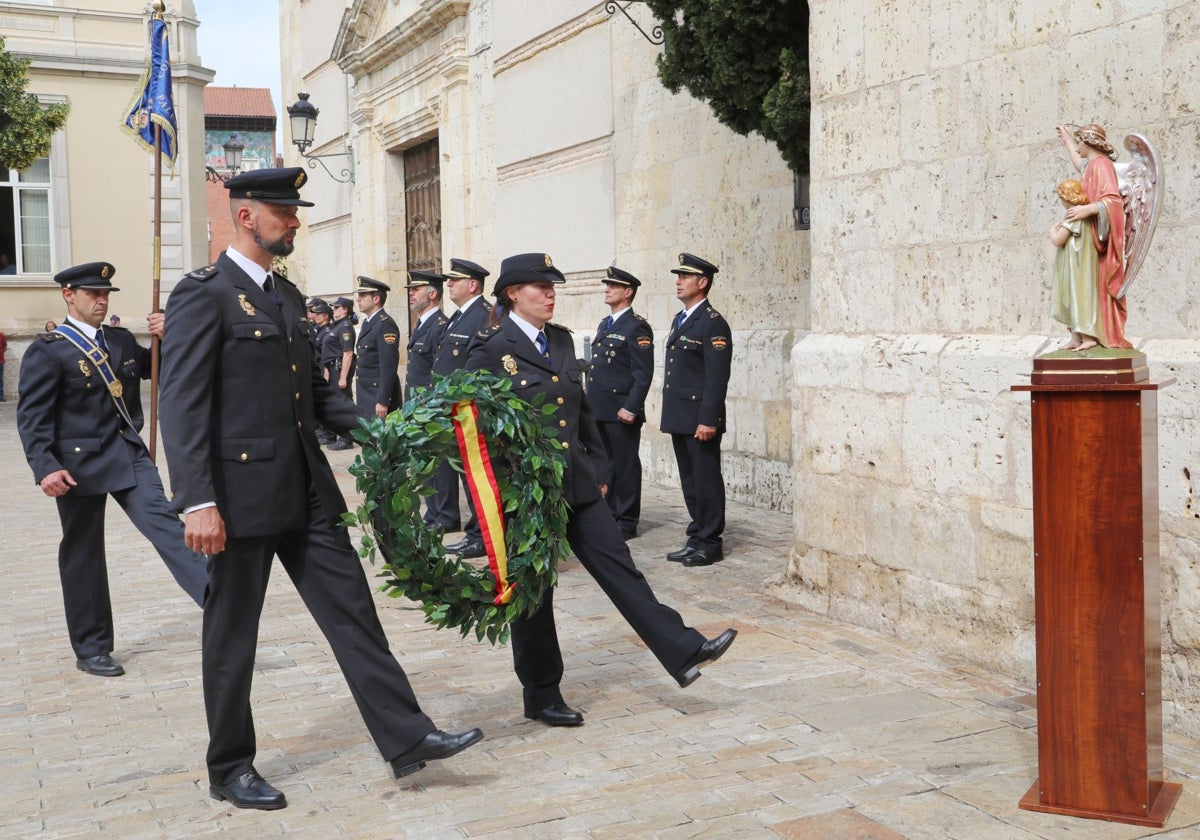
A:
x: 100, y: 359
x: 485, y: 494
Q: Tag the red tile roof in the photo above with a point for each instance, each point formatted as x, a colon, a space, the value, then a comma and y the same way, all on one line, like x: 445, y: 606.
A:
x: 237, y: 102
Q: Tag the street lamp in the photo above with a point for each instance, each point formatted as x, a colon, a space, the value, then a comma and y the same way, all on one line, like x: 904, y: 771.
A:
x: 303, y: 118
x: 233, y: 161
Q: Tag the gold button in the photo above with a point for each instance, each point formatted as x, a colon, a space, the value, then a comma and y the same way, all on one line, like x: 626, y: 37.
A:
x: 293, y: 368
x: 666, y: 387
x: 289, y: 339
x: 258, y: 333
x: 523, y: 382
x: 562, y: 422
x: 560, y: 400
x: 76, y: 448
x: 245, y: 457
x: 89, y: 384
x: 299, y: 425
x: 297, y: 395
x: 693, y: 398
x: 553, y: 378
x: 455, y: 352
x: 566, y: 445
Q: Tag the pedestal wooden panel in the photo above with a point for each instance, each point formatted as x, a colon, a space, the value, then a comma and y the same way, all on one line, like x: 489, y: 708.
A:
x: 1096, y: 571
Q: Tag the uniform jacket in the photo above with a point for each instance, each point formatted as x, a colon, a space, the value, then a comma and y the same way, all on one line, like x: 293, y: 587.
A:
x: 240, y: 402
x: 622, y: 367
x: 456, y: 336
x: 422, y: 347
x: 696, y: 373
x: 66, y: 416
x: 506, y: 351
x: 378, y: 351
x: 338, y: 340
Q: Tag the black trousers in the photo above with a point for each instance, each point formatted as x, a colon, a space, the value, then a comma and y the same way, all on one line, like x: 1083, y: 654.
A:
x: 703, y: 488
x: 330, y: 579
x: 596, y: 541
x: 623, y: 441
x: 442, y: 507
x: 83, y: 567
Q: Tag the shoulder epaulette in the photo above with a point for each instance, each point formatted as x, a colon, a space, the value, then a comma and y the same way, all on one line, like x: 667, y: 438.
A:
x: 558, y: 327
x: 638, y: 317
x: 204, y: 273
x: 488, y: 332
x: 712, y: 313
x: 52, y: 336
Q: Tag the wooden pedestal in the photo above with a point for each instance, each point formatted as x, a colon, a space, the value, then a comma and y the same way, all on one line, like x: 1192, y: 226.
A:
x: 1096, y: 575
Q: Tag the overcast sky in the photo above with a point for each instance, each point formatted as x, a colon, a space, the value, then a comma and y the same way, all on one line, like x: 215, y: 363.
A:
x: 239, y: 39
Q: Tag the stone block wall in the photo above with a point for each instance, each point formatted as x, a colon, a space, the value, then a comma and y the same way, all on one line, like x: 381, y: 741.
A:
x: 934, y: 163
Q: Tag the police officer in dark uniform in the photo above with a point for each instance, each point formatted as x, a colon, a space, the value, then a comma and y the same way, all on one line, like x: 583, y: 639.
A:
x: 622, y: 367
x: 378, y: 350
x: 464, y: 286
x: 337, y: 357
x: 695, y: 379
x: 321, y: 315
x: 425, y: 302
x: 240, y: 400
x: 79, y: 418
x: 539, y: 358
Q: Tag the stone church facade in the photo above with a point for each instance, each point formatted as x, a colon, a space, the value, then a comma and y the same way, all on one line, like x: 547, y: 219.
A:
x: 873, y: 355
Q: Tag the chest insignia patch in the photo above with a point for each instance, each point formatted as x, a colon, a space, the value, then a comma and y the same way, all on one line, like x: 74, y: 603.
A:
x: 83, y: 367
x: 510, y: 365
x: 247, y: 306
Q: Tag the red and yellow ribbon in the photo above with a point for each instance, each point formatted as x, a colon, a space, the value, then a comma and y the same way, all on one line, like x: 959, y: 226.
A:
x: 485, y: 494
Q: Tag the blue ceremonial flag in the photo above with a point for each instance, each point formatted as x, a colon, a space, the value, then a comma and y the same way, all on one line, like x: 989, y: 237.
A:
x: 152, y: 104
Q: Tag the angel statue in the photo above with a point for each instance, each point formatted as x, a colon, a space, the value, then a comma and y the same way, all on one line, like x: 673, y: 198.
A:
x: 1117, y: 212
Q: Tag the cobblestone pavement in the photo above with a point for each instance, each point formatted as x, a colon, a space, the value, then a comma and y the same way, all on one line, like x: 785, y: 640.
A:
x: 808, y: 728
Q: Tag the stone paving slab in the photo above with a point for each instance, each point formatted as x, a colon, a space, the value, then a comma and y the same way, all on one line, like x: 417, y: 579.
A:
x: 808, y: 728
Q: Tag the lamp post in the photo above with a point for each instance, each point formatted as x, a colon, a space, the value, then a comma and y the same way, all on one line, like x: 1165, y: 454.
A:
x: 233, y: 160
x: 303, y: 118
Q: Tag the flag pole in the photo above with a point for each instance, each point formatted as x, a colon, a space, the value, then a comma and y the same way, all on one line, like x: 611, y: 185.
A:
x: 155, y: 291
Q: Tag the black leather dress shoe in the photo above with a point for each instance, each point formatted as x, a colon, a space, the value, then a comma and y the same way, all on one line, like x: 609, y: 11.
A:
x: 447, y: 527
x: 704, y: 557
x: 454, y: 548
x: 249, y: 790
x: 677, y: 556
x: 710, y: 651
x: 340, y: 446
x: 437, y: 744
x: 101, y: 666
x: 468, y: 549
x: 560, y: 714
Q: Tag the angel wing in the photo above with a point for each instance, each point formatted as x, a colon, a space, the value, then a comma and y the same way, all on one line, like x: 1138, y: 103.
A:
x: 1141, y: 182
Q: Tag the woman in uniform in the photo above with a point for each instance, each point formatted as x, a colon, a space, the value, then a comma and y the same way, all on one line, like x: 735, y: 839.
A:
x: 539, y: 357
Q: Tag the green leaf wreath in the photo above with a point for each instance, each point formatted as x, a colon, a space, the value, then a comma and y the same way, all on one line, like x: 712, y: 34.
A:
x: 399, y: 457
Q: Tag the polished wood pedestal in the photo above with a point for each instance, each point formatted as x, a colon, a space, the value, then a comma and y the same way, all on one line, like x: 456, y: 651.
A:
x: 1096, y: 579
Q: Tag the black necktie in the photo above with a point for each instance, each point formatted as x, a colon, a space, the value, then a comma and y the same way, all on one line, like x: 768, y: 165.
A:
x: 608, y: 322
x: 682, y: 317
x: 269, y: 288
x: 542, y: 346
x: 100, y: 340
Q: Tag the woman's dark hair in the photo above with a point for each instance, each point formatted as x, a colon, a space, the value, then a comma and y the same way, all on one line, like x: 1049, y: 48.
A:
x: 500, y: 309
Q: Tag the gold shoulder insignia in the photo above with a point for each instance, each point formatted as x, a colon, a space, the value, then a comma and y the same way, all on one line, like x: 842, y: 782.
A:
x: 203, y: 273
x: 712, y: 313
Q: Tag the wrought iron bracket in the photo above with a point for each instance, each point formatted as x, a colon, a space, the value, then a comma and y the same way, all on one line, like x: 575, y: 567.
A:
x: 347, y: 174
x: 655, y: 37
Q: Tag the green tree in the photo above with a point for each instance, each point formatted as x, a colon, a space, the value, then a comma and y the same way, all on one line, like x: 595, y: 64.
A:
x: 25, y: 126
x: 748, y: 60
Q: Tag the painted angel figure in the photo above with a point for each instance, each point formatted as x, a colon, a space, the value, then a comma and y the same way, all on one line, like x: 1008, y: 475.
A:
x: 1123, y: 203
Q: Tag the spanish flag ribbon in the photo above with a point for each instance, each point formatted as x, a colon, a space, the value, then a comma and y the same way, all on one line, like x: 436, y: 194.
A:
x: 485, y: 494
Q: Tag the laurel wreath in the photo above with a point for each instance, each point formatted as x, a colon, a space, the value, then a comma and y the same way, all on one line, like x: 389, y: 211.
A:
x: 399, y: 457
